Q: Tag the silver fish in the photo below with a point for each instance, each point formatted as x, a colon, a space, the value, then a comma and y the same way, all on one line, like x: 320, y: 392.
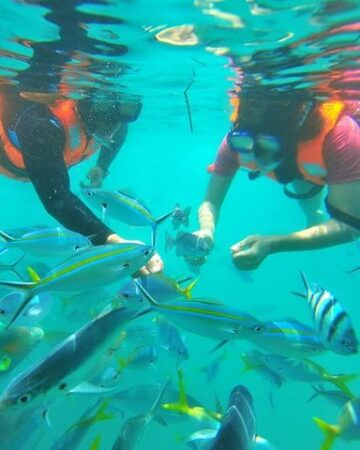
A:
x: 67, y: 365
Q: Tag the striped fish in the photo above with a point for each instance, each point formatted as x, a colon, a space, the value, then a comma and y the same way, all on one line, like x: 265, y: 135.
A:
x: 91, y: 268
x: 331, y: 321
x: 124, y: 207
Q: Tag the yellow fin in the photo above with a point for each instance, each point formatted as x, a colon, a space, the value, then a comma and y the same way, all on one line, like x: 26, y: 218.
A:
x: 95, y: 445
x: 340, y: 381
x: 187, y: 291
x: 5, y: 363
x: 331, y: 432
x: 33, y: 275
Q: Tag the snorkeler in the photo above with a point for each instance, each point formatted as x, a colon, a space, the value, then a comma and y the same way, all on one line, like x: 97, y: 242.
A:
x: 292, y: 139
x: 43, y: 132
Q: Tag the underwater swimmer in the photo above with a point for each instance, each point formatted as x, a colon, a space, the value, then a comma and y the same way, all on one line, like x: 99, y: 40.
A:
x: 291, y: 140
x: 43, y: 132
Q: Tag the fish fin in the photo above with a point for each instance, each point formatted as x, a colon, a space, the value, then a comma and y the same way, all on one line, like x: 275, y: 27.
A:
x: 146, y: 294
x: 35, y: 277
x: 340, y: 381
x: 163, y: 217
x: 315, y: 394
x: 189, y: 288
x: 6, y: 236
x: 169, y: 242
x: 186, y: 212
x: 331, y: 432
x: 99, y: 416
x: 95, y: 445
x: 153, y: 235
x: 305, y: 281
x: 103, y: 212
x: 355, y: 269
x: 26, y: 300
x: 218, y: 346
x: 184, y: 280
x: 5, y: 363
x: 298, y: 294
x: 160, y: 421
x: 248, y: 365
x: 262, y: 444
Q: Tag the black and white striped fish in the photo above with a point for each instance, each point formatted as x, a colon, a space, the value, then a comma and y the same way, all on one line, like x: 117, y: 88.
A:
x: 331, y: 321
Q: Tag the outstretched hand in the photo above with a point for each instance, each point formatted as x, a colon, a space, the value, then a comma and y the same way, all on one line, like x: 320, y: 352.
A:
x: 249, y: 253
x: 95, y: 176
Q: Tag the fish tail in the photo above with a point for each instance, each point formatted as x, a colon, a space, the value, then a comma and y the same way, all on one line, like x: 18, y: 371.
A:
x: 169, y: 242
x: 189, y: 288
x: 95, y: 445
x: 13, y: 265
x: 340, y: 381
x: 315, y: 394
x: 331, y: 432
x: 247, y: 364
x: 101, y: 415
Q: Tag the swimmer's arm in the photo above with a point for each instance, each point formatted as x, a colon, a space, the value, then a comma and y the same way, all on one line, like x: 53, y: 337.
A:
x: 111, y: 148
x: 209, y: 210
x: 342, y: 196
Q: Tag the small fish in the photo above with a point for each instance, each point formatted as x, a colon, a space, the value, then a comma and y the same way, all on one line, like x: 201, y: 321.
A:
x: 289, y: 337
x: 252, y: 362
x: 91, y: 268
x: 124, y: 207
x: 76, y: 433
x: 67, y: 365
x: 188, y: 245
x: 211, y: 370
x: 347, y: 428
x: 160, y: 286
x: 331, y: 321
x: 57, y: 241
x: 334, y: 396
x: 139, y: 358
x: 170, y: 339
x: 305, y: 370
x: 133, y: 429
x: 180, y: 217
x: 207, y: 318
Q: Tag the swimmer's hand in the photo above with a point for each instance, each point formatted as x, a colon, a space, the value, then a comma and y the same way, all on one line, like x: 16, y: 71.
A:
x: 249, y: 253
x: 209, y: 239
x: 95, y: 176
x: 155, y: 264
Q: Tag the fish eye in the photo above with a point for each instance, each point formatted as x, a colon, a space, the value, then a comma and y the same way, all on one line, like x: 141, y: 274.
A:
x: 258, y: 328
x: 104, y: 205
x: 125, y: 295
x: 24, y: 399
x: 89, y: 193
x: 2, y: 312
x: 77, y: 247
x: 62, y: 386
x: 146, y: 252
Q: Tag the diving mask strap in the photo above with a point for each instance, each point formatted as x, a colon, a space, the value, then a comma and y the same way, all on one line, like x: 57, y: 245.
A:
x: 314, y: 190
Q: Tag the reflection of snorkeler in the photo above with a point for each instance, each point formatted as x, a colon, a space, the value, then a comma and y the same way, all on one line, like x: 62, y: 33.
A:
x: 297, y: 140
x: 43, y: 133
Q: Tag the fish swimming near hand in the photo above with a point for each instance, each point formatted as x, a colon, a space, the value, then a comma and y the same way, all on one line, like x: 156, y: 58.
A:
x: 124, y: 207
x: 180, y: 217
x: 188, y: 245
x: 67, y: 365
x: 330, y: 319
x: 91, y: 268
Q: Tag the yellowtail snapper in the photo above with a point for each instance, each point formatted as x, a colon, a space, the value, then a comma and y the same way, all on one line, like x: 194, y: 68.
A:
x: 94, y: 267
x: 124, y: 207
x: 160, y: 286
x: 331, y: 321
x: 305, y: 370
x: 347, y: 428
x: 47, y: 241
x: 67, y: 365
x: 207, y: 318
x: 289, y: 337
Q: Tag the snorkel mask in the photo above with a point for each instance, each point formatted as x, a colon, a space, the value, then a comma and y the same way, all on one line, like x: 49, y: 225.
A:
x: 263, y: 150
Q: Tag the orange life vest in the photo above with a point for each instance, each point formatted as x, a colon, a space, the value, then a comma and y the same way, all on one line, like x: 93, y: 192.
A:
x: 309, y: 154
x: 78, y: 145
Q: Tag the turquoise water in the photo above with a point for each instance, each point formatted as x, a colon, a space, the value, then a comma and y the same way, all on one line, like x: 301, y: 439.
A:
x: 164, y: 162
